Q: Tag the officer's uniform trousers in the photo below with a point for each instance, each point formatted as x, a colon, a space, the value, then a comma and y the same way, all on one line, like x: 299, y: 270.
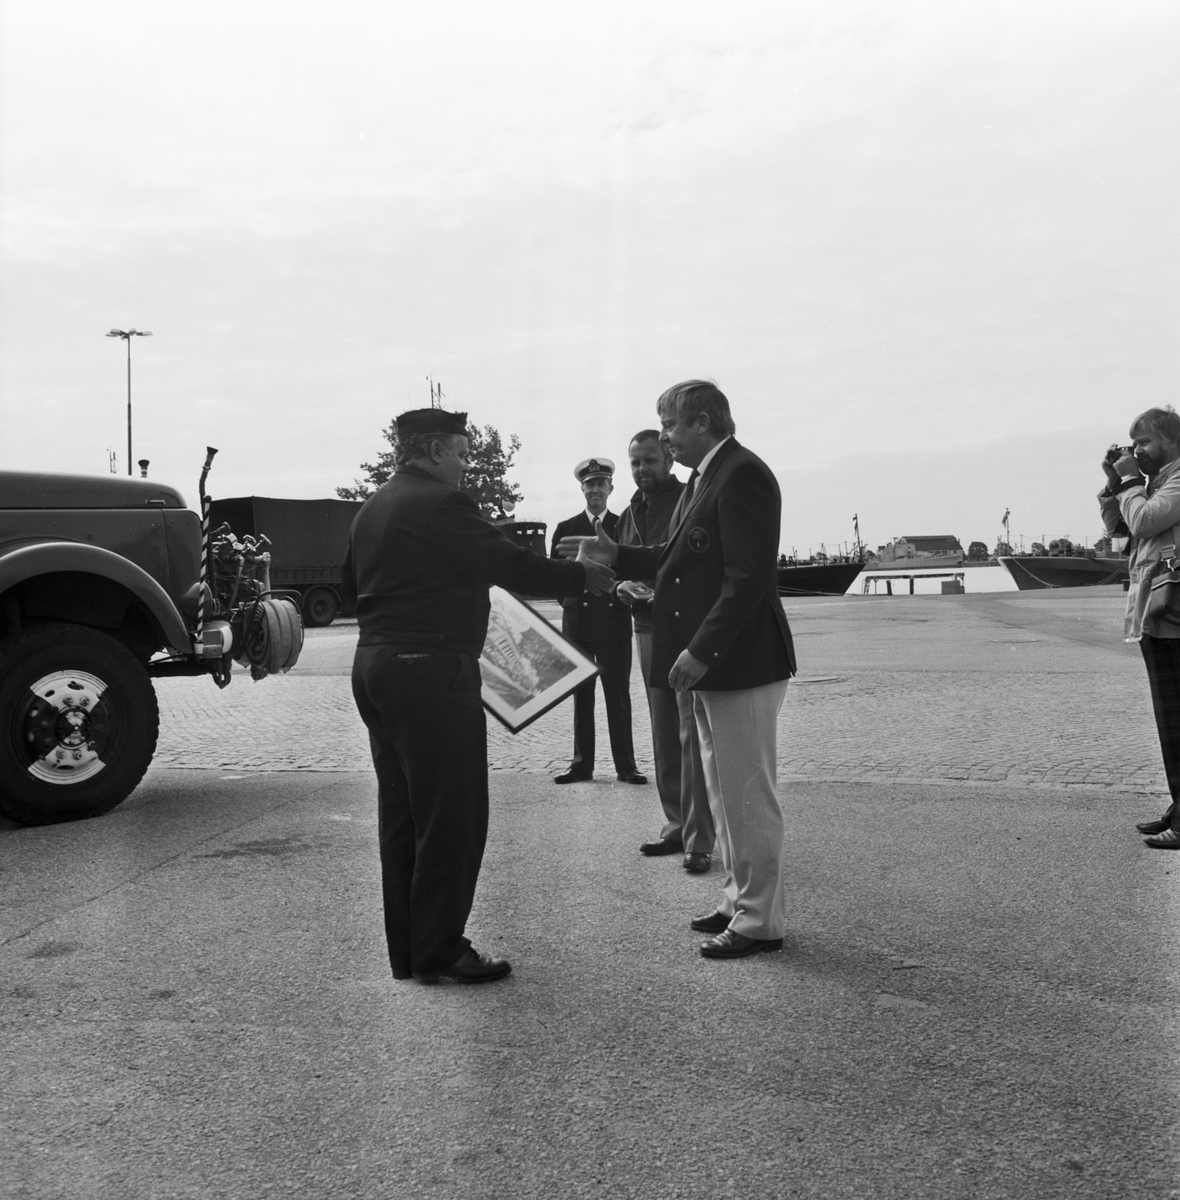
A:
x: 428, y: 736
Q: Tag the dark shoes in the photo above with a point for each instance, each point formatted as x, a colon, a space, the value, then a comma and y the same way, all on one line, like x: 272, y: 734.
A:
x: 631, y: 777
x: 1154, y: 826
x: 1168, y: 840
x: 734, y: 945
x: 573, y: 777
x: 1159, y: 826
x: 697, y: 864
x: 715, y: 922
x: 663, y: 846
x: 470, y: 967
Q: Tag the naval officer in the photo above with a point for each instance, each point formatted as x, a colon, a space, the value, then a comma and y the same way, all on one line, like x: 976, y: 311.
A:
x: 600, y: 626
x: 420, y: 561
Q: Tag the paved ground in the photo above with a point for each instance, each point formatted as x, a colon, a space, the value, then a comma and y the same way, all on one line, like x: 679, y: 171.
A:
x: 978, y: 996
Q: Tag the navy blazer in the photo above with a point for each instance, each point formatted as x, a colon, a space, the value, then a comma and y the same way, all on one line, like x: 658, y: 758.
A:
x: 590, y: 618
x: 716, y: 579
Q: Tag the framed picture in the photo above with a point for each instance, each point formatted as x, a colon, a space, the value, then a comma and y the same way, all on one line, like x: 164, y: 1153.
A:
x: 526, y: 664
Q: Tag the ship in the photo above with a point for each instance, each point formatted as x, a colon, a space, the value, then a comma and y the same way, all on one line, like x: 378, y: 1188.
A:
x: 1035, y: 571
x: 825, y: 576
x: 818, y: 579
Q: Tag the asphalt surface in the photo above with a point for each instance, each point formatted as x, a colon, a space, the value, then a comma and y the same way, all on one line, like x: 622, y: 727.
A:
x: 977, y: 996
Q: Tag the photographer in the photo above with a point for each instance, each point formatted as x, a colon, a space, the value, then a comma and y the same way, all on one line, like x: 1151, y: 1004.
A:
x: 1148, y: 509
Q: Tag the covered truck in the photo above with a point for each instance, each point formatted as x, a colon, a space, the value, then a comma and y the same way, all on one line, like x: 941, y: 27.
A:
x: 307, y: 538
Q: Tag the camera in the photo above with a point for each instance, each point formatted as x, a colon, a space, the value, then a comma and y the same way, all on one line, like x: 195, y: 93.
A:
x: 1116, y: 452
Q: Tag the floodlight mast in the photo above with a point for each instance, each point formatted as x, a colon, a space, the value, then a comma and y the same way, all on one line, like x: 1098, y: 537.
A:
x: 127, y: 335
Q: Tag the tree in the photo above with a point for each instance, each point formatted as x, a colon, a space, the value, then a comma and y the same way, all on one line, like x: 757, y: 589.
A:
x: 485, y: 480
x: 977, y: 552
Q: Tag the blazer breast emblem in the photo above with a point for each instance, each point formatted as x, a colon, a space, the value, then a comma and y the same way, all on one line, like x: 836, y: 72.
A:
x: 698, y: 539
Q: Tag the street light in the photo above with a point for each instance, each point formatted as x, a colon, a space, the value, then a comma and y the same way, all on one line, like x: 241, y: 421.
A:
x: 127, y: 335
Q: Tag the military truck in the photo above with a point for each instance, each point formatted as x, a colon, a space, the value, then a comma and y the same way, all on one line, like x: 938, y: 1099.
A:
x: 307, y: 539
x: 103, y: 587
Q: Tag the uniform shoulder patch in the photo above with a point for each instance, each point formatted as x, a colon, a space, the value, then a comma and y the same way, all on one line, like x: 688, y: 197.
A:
x: 698, y: 539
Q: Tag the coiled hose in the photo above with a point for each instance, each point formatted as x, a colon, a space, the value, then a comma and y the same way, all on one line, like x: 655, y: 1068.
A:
x: 272, y: 637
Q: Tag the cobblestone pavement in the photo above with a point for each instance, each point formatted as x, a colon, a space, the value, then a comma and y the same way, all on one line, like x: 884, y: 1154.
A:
x: 1032, y: 688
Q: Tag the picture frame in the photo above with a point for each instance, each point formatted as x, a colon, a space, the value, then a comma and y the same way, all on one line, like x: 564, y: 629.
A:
x: 527, y: 665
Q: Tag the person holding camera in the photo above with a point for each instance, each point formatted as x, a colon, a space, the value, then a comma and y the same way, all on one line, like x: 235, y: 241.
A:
x: 1142, y: 500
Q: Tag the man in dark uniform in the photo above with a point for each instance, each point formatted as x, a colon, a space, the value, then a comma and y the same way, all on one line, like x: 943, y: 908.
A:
x: 419, y: 564
x: 600, y: 626
x: 647, y: 521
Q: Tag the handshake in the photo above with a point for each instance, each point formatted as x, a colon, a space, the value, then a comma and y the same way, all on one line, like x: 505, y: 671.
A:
x: 597, y: 555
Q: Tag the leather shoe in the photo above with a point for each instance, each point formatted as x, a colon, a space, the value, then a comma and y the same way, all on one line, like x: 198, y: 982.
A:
x: 573, y: 777
x: 1168, y: 840
x: 735, y: 945
x: 697, y: 864
x: 470, y: 967
x: 631, y: 777
x: 1153, y: 826
x: 661, y: 846
x: 715, y: 922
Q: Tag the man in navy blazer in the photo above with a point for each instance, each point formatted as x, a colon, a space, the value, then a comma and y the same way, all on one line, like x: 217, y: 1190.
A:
x: 719, y: 632
x: 600, y: 626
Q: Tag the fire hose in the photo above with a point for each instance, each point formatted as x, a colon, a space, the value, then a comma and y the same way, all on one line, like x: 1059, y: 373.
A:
x: 271, y: 636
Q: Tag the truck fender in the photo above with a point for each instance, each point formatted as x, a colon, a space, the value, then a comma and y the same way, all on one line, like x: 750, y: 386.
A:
x: 25, y: 560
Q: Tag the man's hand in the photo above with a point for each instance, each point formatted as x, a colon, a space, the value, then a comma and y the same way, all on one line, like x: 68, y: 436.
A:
x: 599, y: 548
x: 599, y: 579
x: 630, y: 590
x: 686, y: 671
x: 1127, y: 467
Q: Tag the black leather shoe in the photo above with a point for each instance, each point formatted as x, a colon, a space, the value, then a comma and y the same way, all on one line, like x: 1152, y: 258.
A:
x: 470, y: 967
x: 715, y: 922
x: 734, y: 945
x: 661, y: 846
x: 696, y: 864
x: 1153, y: 826
x: 631, y: 777
x: 573, y: 777
x: 1168, y: 840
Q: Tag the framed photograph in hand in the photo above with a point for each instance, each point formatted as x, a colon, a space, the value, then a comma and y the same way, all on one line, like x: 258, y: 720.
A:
x: 526, y: 664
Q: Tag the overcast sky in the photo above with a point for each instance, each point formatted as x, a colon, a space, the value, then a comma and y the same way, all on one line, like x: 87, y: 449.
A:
x: 928, y: 249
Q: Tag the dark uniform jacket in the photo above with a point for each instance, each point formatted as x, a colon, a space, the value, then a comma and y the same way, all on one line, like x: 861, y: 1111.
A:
x: 590, y: 618
x: 647, y: 521
x: 716, y: 579
x: 420, y: 561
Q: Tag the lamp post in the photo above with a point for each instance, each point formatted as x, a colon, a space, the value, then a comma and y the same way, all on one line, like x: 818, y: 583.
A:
x: 127, y: 335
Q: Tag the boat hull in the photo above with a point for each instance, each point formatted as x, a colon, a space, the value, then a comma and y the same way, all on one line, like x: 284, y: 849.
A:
x: 821, y: 579
x: 1034, y: 572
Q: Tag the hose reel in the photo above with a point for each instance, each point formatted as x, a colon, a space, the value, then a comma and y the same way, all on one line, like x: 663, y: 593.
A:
x: 268, y: 635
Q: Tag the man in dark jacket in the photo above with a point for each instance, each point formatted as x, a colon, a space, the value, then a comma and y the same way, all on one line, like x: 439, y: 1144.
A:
x: 419, y: 564
x: 719, y: 632
x: 600, y: 626
x: 680, y: 780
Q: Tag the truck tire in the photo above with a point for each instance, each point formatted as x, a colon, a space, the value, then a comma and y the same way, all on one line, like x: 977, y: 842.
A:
x: 320, y: 606
x: 78, y: 723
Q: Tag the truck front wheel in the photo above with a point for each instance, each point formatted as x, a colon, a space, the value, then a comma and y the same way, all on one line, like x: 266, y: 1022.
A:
x: 78, y: 723
x: 320, y: 606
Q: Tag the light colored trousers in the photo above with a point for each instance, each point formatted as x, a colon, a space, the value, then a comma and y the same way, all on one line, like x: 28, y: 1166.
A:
x: 737, y: 733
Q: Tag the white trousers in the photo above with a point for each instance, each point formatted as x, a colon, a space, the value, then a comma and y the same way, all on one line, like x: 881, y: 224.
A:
x: 737, y: 732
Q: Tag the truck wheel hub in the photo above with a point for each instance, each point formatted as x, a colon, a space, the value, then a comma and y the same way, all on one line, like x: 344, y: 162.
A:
x: 66, y: 727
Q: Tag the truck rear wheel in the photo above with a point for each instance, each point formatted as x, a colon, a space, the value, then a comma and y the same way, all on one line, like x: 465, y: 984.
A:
x: 78, y: 723
x: 320, y: 606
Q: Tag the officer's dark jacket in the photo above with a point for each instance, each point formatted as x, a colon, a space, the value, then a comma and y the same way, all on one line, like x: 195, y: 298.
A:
x: 420, y: 561
x: 647, y: 521
x: 591, y: 618
x: 716, y: 579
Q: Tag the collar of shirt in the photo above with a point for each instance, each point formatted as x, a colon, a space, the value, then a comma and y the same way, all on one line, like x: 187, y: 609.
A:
x: 700, y: 468
x: 1160, y: 476
x: 601, y: 516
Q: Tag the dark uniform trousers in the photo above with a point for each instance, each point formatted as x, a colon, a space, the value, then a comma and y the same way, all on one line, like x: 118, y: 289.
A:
x: 613, y: 659
x: 428, y: 735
